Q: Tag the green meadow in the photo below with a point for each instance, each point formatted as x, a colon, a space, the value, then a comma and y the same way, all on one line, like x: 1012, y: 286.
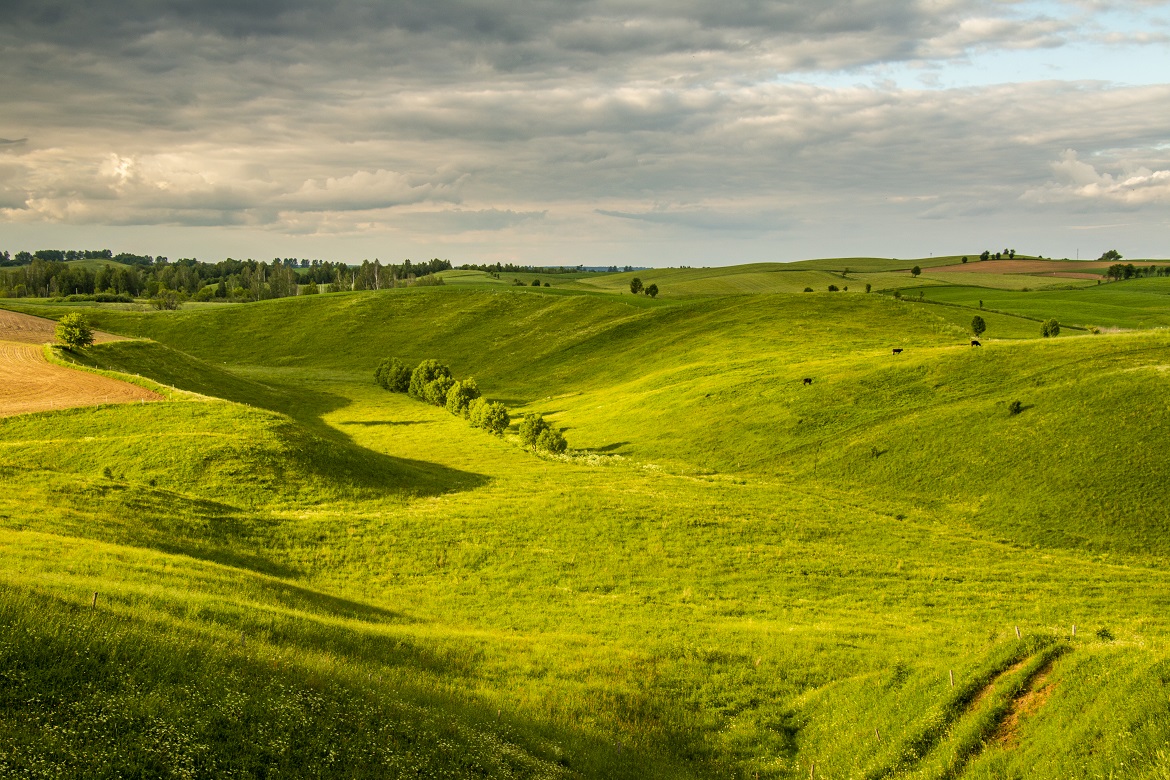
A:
x: 283, y: 570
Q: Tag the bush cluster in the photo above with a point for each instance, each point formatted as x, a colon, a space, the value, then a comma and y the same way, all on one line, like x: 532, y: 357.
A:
x: 1049, y: 328
x: 431, y: 381
x: 536, y: 433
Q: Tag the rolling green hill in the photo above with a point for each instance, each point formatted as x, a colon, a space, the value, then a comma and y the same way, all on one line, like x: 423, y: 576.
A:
x: 732, y: 573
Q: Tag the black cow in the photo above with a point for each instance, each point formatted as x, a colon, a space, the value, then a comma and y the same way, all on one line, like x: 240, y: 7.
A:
x: 897, y: 350
x: 807, y: 381
x: 975, y: 343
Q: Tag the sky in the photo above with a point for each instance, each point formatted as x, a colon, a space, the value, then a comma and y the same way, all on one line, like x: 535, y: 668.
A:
x: 596, y: 132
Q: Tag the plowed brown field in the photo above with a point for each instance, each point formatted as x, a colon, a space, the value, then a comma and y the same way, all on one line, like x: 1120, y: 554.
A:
x: 28, y: 329
x: 1051, y: 267
x: 29, y: 383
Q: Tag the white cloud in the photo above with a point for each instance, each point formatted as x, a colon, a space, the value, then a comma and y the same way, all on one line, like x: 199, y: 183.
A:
x: 1081, y: 182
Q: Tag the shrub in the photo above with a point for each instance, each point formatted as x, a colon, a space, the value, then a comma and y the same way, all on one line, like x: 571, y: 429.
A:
x: 310, y: 289
x: 964, y: 259
x: 460, y: 396
x: 393, y: 375
x: 1015, y: 407
x: 978, y: 325
x: 489, y: 415
x: 436, y: 390
x: 552, y: 441
x: 868, y: 286
x: 424, y: 374
x: 1105, y: 635
x: 832, y: 288
x: 652, y: 291
x: 73, y: 331
x: 536, y: 283
x: 1049, y: 328
x: 808, y: 289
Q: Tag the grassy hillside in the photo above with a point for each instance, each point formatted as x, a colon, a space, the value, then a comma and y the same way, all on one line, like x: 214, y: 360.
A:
x: 733, y: 574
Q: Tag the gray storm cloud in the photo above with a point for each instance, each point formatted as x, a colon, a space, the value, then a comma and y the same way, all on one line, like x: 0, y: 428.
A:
x: 545, y: 120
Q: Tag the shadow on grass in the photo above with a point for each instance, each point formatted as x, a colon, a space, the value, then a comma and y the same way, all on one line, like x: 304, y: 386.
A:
x: 346, y: 463
x: 371, y: 423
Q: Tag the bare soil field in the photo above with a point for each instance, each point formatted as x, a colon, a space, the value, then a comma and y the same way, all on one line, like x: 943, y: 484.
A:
x: 1075, y: 269
x: 28, y: 329
x: 29, y: 383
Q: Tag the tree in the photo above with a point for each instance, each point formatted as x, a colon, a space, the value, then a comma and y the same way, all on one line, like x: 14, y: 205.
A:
x: 489, y: 415
x: 868, y: 286
x: 985, y: 255
x: 531, y: 427
x: 832, y: 288
x: 652, y: 291
x: 310, y: 289
x: 964, y: 259
x: 393, y: 375
x: 978, y: 325
x: 915, y: 271
x: 536, y: 283
x: 166, y: 299
x: 1012, y: 254
x: 73, y: 331
x: 1049, y: 328
x: 460, y: 396
x: 425, y: 373
x: 1112, y: 256
x: 635, y: 285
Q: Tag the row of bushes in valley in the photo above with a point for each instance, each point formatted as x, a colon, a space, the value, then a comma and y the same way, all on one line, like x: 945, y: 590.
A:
x: 432, y: 382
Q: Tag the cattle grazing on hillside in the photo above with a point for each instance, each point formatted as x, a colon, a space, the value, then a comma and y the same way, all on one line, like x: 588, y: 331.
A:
x: 897, y: 350
x: 807, y: 380
x: 975, y: 343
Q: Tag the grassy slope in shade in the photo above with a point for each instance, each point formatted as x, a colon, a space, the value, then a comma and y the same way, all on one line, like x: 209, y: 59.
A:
x: 772, y: 572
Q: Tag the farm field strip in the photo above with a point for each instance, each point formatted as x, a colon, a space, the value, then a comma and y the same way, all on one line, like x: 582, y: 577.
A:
x: 29, y: 383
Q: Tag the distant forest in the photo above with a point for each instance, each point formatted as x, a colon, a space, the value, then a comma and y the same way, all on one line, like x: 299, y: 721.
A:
x: 54, y: 274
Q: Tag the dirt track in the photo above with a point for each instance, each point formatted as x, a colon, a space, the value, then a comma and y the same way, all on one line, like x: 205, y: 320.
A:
x: 28, y: 329
x: 29, y: 383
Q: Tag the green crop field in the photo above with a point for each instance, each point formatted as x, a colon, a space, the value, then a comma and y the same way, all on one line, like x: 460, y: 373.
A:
x: 948, y: 562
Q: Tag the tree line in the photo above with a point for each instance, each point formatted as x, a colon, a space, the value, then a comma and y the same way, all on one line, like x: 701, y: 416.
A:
x: 432, y: 382
x: 50, y: 274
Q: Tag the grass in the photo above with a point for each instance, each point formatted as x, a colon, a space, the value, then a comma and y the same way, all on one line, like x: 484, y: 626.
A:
x: 733, y: 575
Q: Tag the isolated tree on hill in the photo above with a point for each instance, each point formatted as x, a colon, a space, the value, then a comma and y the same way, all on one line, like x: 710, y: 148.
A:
x: 964, y: 258
x: 393, y: 375
x: 985, y: 255
x: 635, y: 285
x: 424, y: 374
x: 1049, y: 328
x: 73, y: 331
x: 978, y: 325
x: 460, y: 396
x: 652, y: 291
x: 915, y: 271
x: 1112, y: 256
x: 1011, y: 254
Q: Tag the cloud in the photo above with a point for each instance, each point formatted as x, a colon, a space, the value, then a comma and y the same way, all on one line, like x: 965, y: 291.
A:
x: 569, y: 123
x: 1080, y: 182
